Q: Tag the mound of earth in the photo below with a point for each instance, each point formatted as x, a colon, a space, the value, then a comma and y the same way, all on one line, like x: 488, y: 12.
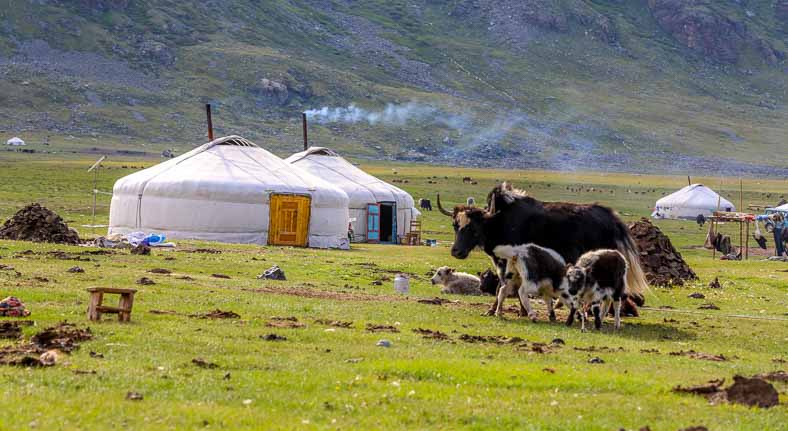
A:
x: 661, y: 262
x: 38, y: 224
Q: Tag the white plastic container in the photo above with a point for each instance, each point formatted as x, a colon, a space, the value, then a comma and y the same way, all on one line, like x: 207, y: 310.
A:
x: 402, y: 284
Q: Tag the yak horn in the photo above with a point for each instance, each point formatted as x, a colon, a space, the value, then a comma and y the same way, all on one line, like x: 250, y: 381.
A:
x: 440, y: 207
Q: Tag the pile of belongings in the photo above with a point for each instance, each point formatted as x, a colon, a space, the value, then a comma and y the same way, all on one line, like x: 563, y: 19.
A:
x: 661, y: 262
x: 273, y: 273
x: 131, y: 240
x: 13, y: 307
x: 38, y: 224
x: 721, y: 243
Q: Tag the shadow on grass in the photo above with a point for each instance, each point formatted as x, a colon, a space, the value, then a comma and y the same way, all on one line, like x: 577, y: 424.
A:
x: 651, y: 331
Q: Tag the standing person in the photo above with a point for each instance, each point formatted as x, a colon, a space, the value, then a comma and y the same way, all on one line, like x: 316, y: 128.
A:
x: 779, y: 226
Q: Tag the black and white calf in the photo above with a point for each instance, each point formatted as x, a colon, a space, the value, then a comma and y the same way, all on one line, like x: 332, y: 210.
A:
x: 597, y: 279
x: 532, y: 270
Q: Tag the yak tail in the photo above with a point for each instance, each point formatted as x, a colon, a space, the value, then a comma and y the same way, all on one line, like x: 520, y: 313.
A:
x: 637, y: 285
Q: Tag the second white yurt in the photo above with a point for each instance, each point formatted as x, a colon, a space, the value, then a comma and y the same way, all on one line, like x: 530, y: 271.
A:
x: 15, y: 142
x: 691, y: 201
x: 231, y: 190
x: 381, y: 212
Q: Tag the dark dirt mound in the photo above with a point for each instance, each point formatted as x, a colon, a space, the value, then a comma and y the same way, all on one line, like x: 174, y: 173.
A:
x: 708, y: 306
x: 10, y: 330
x: 216, y: 314
x: 284, y: 322
x: 751, y: 392
x: 145, y: 281
x: 202, y: 363
x: 700, y: 355
x: 64, y: 336
x: 273, y: 337
x: 435, y: 301
x: 381, y: 328
x: 45, y: 347
x: 141, y: 249
x: 336, y: 323
x: 600, y: 349
x: 430, y: 334
x: 494, y: 339
x: 226, y: 277
x: 38, y: 224
x: 661, y: 262
x: 203, y: 250
x: 160, y: 271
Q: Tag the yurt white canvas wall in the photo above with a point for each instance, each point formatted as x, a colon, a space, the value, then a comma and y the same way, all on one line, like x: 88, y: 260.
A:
x: 382, y: 212
x: 691, y: 201
x: 15, y: 142
x: 231, y: 190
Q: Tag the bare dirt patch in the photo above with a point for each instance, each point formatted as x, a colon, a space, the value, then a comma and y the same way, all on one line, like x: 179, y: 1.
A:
x: 774, y: 376
x: 160, y: 271
x: 335, y: 323
x: 202, y: 363
x: 430, y: 334
x: 216, y: 314
x: 700, y: 355
x: 284, y: 322
x: 750, y: 392
x: 46, y: 347
x: 371, y: 327
x: 491, y: 339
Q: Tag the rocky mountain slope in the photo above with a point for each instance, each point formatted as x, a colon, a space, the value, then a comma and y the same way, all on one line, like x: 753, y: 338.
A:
x: 560, y: 84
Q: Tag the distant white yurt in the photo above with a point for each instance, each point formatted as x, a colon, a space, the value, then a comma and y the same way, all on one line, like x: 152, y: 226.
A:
x: 381, y: 212
x: 15, y: 142
x: 691, y: 201
x: 231, y: 190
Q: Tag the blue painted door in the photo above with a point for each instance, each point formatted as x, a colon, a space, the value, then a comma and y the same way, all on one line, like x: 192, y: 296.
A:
x: 373, y: 222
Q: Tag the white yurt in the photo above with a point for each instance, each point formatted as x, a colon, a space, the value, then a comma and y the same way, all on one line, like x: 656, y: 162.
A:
x: 15, y: 142
x: 231, y: 190
x: 691, y: 201
x: 379, y: 212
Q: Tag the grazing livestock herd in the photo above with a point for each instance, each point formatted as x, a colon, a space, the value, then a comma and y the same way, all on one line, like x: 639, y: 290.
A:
x: 581, y: 255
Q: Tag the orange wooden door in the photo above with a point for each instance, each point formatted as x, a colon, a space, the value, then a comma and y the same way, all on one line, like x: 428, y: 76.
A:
x: 289, y: 221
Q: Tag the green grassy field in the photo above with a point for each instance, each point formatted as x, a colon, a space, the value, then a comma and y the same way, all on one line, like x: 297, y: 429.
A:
x: 327, y: 377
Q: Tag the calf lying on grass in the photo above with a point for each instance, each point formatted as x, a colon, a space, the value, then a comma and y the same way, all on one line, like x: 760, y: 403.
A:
x: 532, y: 270
x: 458, y: 283
x: 597, y: 279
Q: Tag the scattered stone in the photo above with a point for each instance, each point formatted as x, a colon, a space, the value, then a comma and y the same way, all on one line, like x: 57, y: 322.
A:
x: 381, y: 328
x: 661, y: 262
x: 383, y: 343
x: 273, y: 337
x: 134, y: 396
x: 38, y: 224
x: 708, y: 306
x: 227, y: 277
x: 145, y: 281
x: 696, y: 295
x: 354, y: 360
x: 75, y: 270
x: 50, y: 358
x: 202, y: 363
x: 141, y: 249
x: 377, y: 283
x: 715, y: 284
x: 273, y: 273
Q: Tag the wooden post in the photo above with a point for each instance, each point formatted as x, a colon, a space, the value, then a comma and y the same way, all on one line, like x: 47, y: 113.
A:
x: 741, y: 195
x: 210, y: 121
x: 96, y: 297
x: 747, y: 241
x: 303, y: 122
x: 713, y: 248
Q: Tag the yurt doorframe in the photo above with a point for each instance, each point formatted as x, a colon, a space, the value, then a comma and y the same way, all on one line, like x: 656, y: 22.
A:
x: 288, y: 222
x: 382, y: 223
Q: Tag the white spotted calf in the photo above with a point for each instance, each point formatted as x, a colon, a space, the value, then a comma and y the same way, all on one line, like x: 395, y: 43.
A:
x: 532, y: 270
x: 597, y: 279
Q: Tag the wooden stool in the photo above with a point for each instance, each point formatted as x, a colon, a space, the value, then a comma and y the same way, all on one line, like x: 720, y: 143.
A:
x: 123, y: 310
